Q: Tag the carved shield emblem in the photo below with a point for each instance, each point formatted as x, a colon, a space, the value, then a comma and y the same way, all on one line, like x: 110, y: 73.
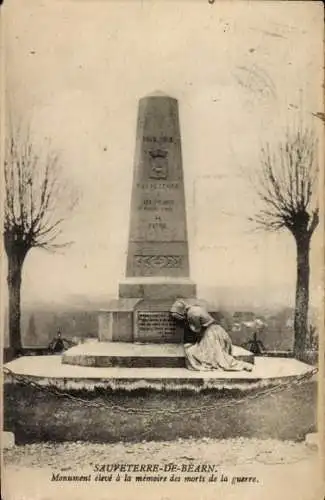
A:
x: 158, y: 164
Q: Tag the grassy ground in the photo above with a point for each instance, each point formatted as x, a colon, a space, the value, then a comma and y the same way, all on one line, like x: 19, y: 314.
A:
x: 108, y: 417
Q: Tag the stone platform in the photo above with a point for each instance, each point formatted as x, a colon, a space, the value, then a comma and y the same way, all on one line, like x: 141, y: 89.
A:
x: 135, y: 355
x: 50, y: 371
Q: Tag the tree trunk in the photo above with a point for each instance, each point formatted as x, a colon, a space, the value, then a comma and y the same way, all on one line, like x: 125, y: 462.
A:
x: 302, y: 295
x: 15, y: 266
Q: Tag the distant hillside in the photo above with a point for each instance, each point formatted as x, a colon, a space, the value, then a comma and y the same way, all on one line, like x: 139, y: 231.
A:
x: 78, y: 316
x: 248, y: 298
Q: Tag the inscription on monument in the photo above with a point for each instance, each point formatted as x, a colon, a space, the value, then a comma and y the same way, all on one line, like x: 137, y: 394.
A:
x: 156, y: 325
x: 157, y: 205
x: 157, y: 185
x: 161, y: 139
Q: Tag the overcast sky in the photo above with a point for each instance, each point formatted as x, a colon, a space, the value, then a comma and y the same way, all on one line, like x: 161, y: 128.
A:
x: 241, y: 72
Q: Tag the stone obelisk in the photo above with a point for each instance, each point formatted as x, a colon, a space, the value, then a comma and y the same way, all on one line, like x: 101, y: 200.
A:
x: 158, y: 246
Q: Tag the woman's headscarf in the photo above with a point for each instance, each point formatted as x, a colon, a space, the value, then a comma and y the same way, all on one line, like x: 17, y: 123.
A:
x: 178, y: 309
x: 196, y: 316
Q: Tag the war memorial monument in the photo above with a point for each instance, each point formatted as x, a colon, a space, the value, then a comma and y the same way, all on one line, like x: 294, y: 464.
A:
x: 136, y: 329
x: 140, y: 347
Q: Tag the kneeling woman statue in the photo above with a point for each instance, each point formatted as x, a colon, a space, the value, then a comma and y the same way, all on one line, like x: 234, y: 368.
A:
x: 213, y: 349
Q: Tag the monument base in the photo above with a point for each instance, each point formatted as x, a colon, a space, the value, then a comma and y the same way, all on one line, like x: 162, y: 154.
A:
x: 157, y: 288
x: 157, y: 404
x: 125, y: 355
x: 147, y: 319
x: 141, y: 313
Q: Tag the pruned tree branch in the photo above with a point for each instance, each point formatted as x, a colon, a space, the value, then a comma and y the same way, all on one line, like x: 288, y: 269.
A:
x: 314, y: 221
x: 37, y: 198
x: 285, y: 184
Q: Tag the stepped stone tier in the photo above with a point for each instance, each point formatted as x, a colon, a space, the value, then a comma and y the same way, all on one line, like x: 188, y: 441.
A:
x: 49, y: 370
x: 131, y: 355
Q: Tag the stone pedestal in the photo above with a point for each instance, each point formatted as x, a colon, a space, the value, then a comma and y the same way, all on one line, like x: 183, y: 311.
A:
x: 116, y: 323
x: 139, y: 320
x: 146, y: 319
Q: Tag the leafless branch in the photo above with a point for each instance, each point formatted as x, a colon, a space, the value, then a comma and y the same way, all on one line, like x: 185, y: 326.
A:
x: 37, y: 197
x: 285, y: 184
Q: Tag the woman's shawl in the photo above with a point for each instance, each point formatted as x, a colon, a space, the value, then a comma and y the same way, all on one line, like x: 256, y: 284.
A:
x: 198, y: 318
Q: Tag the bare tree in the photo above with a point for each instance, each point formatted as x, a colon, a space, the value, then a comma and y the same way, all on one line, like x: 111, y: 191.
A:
x: 37, y: 202
x: 286, y: 186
